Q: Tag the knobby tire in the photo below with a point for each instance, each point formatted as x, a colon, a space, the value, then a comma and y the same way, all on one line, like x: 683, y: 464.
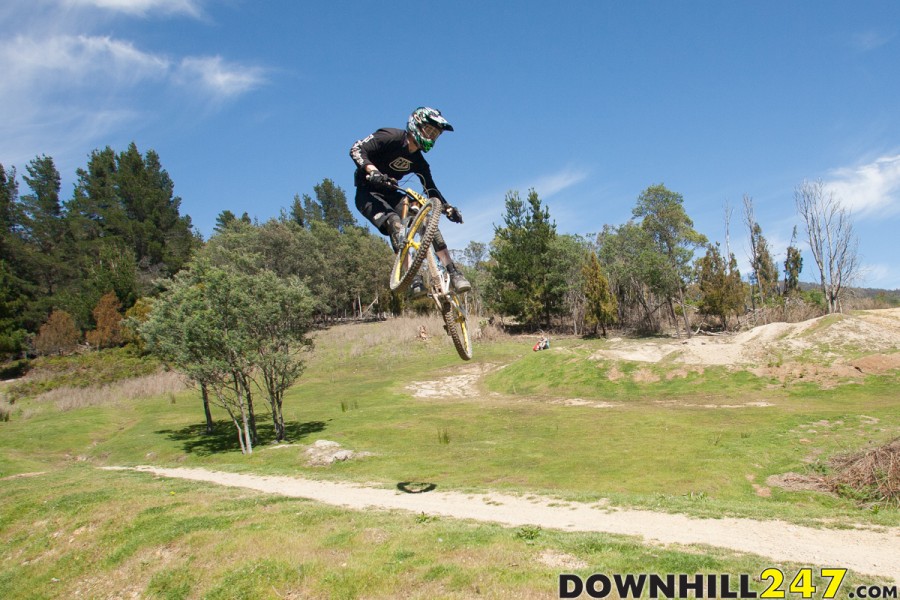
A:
x: 452, y: 311
x: 458, y: 327
x: 425, y: 223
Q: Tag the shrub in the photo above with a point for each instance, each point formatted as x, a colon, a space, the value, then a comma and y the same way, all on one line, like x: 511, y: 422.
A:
x: 109, y: 323
x: 14, y: 369
x: 134, y: 318
x: 58, y: 335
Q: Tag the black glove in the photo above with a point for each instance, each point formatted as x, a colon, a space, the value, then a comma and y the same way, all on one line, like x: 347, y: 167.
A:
x: 380, y: 180
x: 453, y: 213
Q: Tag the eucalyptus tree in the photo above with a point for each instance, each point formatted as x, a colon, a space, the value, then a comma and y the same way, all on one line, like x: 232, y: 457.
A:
x: 662, y: 216
x: 793, y: 265
x: 763, y: 274
x: 635, y: 268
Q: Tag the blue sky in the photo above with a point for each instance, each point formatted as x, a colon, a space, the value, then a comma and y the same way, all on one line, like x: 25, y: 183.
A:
x: 589, y: 103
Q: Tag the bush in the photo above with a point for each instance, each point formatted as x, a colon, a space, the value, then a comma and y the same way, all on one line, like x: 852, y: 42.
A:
x: 109, y: 323
x: 58, y: 335
x: 12, y: 343
x: 14, y: 369
x: 88, y: 369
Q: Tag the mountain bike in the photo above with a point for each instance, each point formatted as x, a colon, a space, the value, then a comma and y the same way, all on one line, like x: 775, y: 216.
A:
x: 420, y: 217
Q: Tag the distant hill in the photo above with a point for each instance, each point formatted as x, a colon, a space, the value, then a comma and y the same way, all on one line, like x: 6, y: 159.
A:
x: 892, y: 296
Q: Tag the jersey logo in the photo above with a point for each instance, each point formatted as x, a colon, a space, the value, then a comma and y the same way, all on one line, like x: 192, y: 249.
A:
x: 401, y: 164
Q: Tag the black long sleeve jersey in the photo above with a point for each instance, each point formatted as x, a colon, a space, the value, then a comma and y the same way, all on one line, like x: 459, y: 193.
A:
x: 388, y: 150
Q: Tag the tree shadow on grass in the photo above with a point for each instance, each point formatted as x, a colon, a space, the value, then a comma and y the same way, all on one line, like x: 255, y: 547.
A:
x: 224, y: 438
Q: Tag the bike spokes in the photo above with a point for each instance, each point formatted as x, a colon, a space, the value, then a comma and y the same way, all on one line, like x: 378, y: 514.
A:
x: 454, y: 314
x: 419, y: 235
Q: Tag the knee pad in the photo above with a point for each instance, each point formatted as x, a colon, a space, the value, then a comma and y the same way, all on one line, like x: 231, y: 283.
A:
x: 390, y: 223
x: 393, y: 228
x: 438, y: 241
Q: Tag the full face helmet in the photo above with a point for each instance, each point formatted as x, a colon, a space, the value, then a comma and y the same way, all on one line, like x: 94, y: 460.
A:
x: 426, y: 124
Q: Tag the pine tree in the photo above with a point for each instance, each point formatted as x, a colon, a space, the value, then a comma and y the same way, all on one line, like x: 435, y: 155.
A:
x: 297, y: 214
x: 601, y: 303
x: 224, y: 220
x: 333, y: 201
x: 522, y: 271
x: 312, y: 211
x: 9, y: 193
x: 721, y: 290
x: 131, y: 197
x: 16, y: 293
x: 41, y: 226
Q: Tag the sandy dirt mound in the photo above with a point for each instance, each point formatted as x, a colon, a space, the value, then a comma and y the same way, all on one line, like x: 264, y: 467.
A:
x: 771, y: 351
x: 774, y: 350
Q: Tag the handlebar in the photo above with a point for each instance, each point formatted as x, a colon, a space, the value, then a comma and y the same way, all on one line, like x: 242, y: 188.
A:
x: 449, y: 211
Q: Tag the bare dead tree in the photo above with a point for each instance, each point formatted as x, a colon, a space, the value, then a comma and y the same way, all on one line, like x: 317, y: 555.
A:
x: 750, y: 222
x: 764, y: 271
x: 833, y: 243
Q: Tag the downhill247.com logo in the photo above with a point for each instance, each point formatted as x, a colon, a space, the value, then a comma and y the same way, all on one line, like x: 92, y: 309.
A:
x: 777, y: 585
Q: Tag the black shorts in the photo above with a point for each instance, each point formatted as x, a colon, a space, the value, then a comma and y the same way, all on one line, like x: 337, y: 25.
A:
x: 377, y: 206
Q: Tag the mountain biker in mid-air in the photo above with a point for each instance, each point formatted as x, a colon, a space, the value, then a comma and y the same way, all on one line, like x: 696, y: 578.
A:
x: 389, y: 155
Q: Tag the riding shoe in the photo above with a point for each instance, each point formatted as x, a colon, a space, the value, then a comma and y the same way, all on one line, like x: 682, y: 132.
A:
x: 417, y: 288
x: 459, y: 283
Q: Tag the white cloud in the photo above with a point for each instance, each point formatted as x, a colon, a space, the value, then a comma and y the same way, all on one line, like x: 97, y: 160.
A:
x: 880, y: 276
x: 142, y: 7
x: 62, y: 93
x: 45, y: 65
x: 219, y: 77
x: 549, y: 185
x: 868, y: 190
x: 868, y: 40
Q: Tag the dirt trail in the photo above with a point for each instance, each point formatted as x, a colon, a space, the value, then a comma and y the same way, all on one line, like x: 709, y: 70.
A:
x: 866, y: 551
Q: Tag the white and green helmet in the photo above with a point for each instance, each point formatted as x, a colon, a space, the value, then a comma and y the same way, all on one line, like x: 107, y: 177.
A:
x: 419, y: 121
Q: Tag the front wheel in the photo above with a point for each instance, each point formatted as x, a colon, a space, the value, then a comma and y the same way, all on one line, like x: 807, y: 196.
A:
x: 419, y: 236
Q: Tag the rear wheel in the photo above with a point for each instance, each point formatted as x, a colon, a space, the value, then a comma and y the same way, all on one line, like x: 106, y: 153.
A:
x: 419, y: 236
x: 453, y: 309
x: 454, y: 312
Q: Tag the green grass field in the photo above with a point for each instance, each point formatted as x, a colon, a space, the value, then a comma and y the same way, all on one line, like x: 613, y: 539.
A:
x: 69, y: 529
